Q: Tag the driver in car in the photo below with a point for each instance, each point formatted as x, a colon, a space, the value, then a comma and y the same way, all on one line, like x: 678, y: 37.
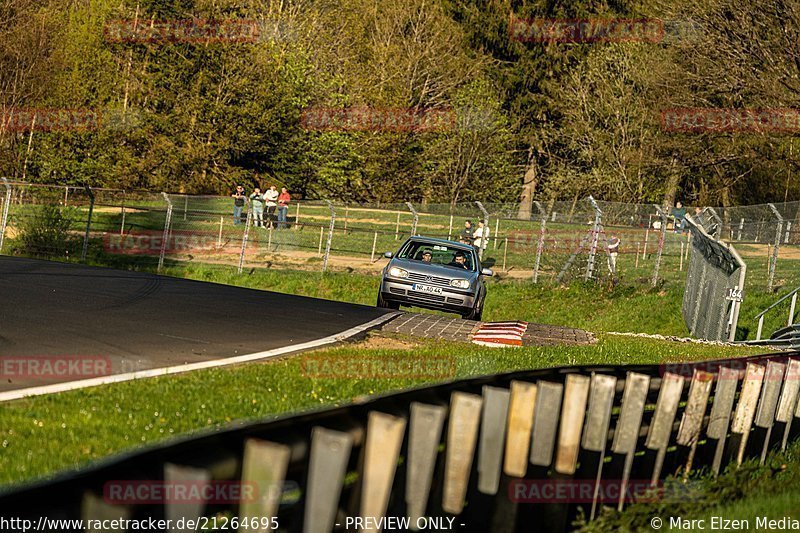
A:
x: 426, y: 256
x: 459, y: 260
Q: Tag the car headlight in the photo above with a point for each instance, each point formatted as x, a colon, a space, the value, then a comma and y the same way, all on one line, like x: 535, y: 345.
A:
x: 460, y: 283
x: 398, y: 272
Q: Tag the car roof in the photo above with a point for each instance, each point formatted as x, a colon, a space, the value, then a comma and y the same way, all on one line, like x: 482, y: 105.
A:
x: 436, y: 240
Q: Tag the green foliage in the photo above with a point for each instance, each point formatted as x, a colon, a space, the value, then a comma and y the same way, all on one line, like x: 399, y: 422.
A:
x: 568, y: 118
x: 46, y: 232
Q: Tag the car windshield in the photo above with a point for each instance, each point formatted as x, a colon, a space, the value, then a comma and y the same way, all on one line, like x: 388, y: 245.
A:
x: 438, y: 254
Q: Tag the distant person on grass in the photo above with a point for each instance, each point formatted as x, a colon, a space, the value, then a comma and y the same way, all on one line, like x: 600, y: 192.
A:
x: 238, y: 204
x: 258, y: 207
x: 466, y: 234
x: 271, y: 198
x: 283, y: 207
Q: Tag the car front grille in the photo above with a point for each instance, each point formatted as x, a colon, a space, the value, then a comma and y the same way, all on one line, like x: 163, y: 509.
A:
x: 457, y: 301
x: 425, y: 297
x: 395, y: 290
x: 430, y: 280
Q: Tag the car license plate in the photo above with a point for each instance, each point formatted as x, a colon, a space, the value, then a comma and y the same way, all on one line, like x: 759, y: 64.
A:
x: 426, y: 288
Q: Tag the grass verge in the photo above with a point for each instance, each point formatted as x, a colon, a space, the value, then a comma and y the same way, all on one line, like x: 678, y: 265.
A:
x: 42, y: 435
x: 752, y: 493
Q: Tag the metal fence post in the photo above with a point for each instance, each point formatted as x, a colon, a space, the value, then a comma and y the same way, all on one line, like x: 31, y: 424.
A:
x: 122, y: 210
x: 484, y: 239
x: 165, y: 235
x: 5, y: 213
x: 540, y: 244
x: 416, y: 218
x: 598, y: 221
x: 245, y: 236
x: 330, y: 236
x: 88, y: 223
x: 774, y: 259
x: 661, y: 237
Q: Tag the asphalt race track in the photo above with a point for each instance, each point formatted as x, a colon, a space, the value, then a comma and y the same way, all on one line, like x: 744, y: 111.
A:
x: 136, y: 321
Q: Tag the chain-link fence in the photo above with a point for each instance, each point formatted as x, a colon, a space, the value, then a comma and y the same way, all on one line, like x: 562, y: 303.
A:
x: 557, y: 241
x: 714, y: 286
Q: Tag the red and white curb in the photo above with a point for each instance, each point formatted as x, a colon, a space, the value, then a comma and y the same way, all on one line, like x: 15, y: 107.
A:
x: 500, y: 334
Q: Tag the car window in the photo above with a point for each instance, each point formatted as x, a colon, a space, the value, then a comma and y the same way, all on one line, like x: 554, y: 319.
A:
x: 441, y: 254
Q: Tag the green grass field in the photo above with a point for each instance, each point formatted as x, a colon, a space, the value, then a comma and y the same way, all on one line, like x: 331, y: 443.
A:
x: 42, y: 435
x: 745, y: 493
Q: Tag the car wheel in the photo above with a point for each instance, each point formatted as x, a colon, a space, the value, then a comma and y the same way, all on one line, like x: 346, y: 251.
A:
x: 476, y: 313
x: 387, y: 304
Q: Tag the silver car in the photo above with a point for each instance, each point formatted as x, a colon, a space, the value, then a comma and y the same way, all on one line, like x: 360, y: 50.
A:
x: 435, y: 274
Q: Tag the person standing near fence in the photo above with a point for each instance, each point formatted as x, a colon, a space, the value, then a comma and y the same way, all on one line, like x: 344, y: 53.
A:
x: 257, y: 200
x: 679, y: 214
x: 238, y: 204
x: 481, y: 235
x: 271, y: 198
x: 283, y: 207
x: 466, y: 234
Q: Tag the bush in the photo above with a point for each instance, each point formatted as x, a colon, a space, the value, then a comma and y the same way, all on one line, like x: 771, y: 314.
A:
x: 47, y: 232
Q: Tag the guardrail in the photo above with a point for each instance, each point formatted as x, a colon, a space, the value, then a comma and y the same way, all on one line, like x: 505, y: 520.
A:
x: 793, y: 305
x: 520, y: 451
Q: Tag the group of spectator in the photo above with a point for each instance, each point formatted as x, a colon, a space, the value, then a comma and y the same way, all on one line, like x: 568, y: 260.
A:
x: 477, y: 237
x: 267, y: 202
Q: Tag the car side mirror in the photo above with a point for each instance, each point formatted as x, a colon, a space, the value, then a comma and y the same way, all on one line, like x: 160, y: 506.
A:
x: 388, y: 255
x: 487, y: 272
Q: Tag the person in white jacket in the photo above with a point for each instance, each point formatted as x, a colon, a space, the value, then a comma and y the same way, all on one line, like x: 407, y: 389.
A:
x: 480, y: 236
x: 271, y: 199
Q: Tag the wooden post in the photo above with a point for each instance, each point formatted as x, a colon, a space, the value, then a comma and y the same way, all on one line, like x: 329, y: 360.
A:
x: 505, y: 251
x: 644, y: 250
x: 297, y: 216
x: 321, y: 231
x: 769, y: 257
x: 219, y: 238
x: 269, y: 239
x: 450, y: 228
x: 637, y: 254
x: 397, y: 227
x: 374, y: 243
x: 496, y: 233
x: 681, y: 267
